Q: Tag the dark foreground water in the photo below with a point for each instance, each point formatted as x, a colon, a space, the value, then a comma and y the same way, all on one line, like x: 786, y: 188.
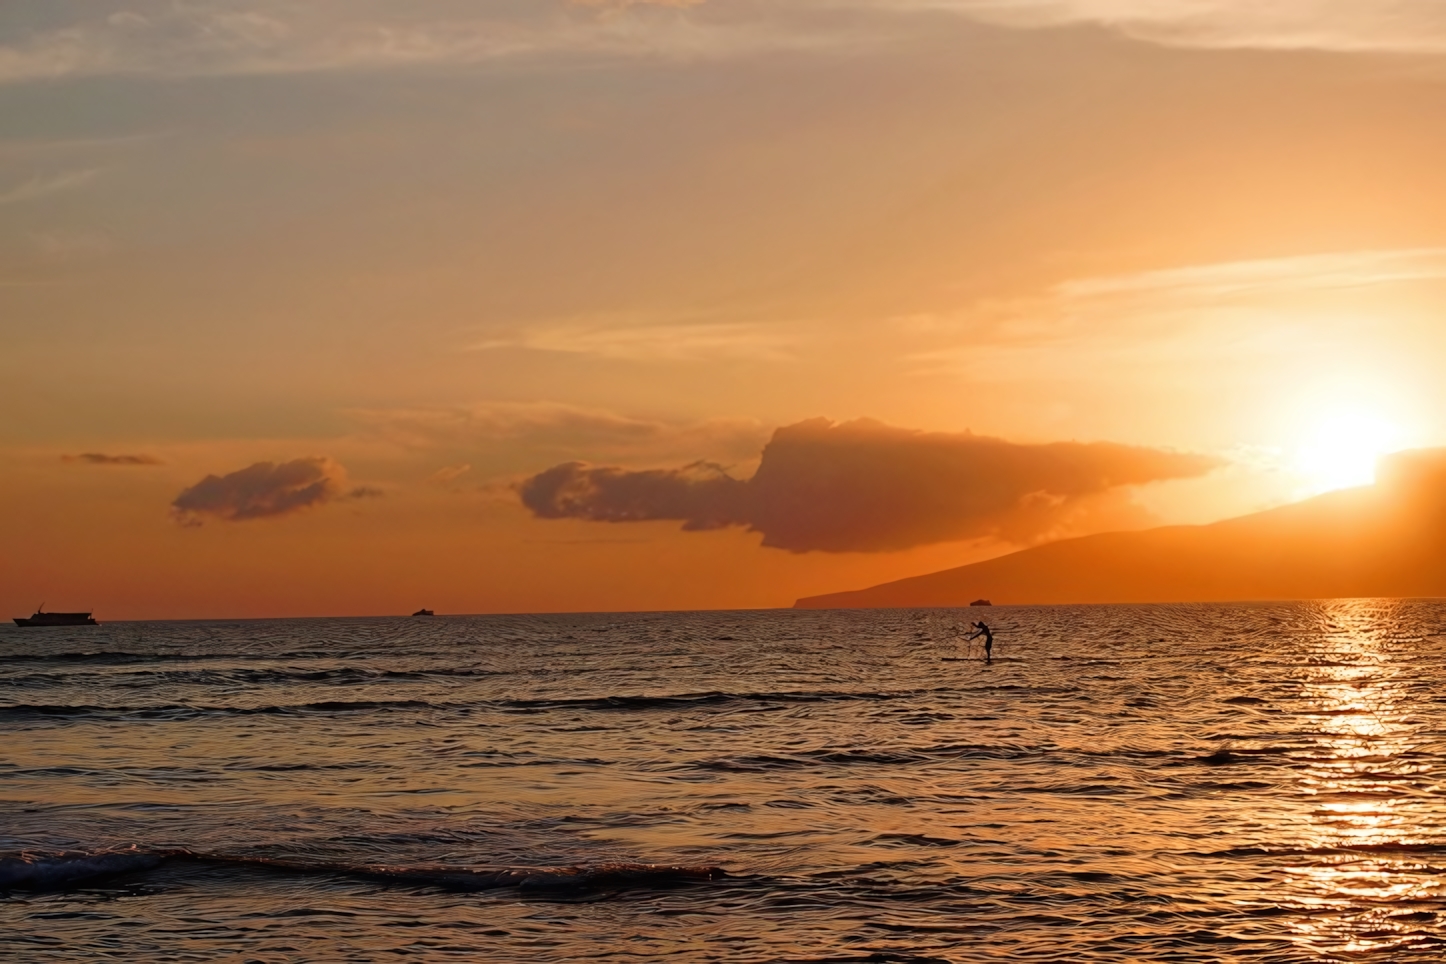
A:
x: 1143, y: 783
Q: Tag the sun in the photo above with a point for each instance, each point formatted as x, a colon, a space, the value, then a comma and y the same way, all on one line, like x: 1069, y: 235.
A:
x: 1343, y: 449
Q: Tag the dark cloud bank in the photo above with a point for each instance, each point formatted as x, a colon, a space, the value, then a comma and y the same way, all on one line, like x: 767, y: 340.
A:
x: 266, y: 489
x: 867, y: 487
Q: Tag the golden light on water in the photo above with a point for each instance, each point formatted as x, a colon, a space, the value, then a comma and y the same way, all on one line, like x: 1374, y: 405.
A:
x: 1358, y: 873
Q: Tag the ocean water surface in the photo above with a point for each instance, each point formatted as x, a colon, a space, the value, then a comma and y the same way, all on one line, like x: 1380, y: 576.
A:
x: 1123, y: 783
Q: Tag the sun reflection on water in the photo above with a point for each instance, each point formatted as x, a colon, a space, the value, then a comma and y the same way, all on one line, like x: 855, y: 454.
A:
x: 1362, y: 865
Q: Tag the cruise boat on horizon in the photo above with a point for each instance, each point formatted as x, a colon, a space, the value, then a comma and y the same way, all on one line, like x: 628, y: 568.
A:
x: 43, y: 618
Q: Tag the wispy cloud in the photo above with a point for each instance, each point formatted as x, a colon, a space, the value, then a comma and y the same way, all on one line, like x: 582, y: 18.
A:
x: 100, y: 458
x: 218, y: 37
x: 618, y: 5
x: 551, y: 426
x: 49, y: 146
x: 1372, y: 25
x: 632, y: 338
x: 1195, y: 315
x: 1350, y: 269
x: 71, y: 245
x: 42, y: 185
x: 448, y: 474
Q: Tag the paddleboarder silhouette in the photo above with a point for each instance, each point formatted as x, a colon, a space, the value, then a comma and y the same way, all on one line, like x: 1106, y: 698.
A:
x: 983, y: 630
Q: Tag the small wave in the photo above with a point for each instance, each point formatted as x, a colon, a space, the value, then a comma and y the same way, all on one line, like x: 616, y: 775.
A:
x: 177, y: 711
x: 916, y: 839
x: 57, y: 872
x: 1363, y: 850
x: 352, y: 675
x: 1228, y: 754
x: 33, y: 872
x: 834, y: 756
x: 127, y: 657
x: 103, y: 657
x: 710, y: 698
x: 182, y: 711
x: 149, y: 674
x: 817, y: 758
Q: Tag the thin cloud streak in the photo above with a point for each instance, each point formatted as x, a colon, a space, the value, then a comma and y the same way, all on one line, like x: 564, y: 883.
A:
x: 42, y: 185
x: 624, y: 338
x: 557, y: 427
x: 1198, y: 314
x: 448, y: 474
x: 33, y: 147
x: 1350, y: 269
x: 1398, y: 26
x: 100, y: 458
x: 224, y: 37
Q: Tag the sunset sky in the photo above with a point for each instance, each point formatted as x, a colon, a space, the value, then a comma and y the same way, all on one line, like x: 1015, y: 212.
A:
x: 353, y: 307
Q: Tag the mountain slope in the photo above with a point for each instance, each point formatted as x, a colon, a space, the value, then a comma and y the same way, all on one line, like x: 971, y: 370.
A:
x: 1388, y: 539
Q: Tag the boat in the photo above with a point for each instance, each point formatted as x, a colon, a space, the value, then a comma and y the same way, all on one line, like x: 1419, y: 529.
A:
x: 981, y: 602
x: 424, y: 612
x: 43, y: 618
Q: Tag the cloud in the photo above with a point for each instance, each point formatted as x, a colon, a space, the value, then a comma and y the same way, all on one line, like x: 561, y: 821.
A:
x: 448, y: 474
x: 265, y: 489
x: 1313, y: 272
x: 558, y: 427
x: 1301, y: 312
x: 41, y: 185
x: 864, y: 486
x: 636, y: 338
x: 613, y: 5
x: 1380, y: 25
x: 230, y: 37
x: 702, y: 494
x: 62, y: 245
x: 99, y: 458
x: 20, y: 147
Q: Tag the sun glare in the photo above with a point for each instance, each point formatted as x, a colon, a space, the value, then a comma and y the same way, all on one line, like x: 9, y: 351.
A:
x: 1343, y: 450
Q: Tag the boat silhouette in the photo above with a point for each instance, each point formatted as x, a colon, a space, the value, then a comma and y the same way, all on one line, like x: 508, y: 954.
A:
x: 43, y: 618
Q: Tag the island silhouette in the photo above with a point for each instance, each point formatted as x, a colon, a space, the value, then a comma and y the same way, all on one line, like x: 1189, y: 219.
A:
x: 1386, y: 539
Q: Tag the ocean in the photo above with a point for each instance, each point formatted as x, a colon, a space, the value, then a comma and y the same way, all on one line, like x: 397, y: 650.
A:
x: 1122, y: 783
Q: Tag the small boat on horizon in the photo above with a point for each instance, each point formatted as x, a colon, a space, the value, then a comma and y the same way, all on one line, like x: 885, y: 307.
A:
x: 43, y: 618
x: 424, y: 612
x: 981, y: 602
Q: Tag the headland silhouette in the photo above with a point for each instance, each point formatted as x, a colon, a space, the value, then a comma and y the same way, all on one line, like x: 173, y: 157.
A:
x: 1386, y: 539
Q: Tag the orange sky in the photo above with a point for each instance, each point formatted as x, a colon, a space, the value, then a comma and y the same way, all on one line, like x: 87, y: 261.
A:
x: 427, y: 251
